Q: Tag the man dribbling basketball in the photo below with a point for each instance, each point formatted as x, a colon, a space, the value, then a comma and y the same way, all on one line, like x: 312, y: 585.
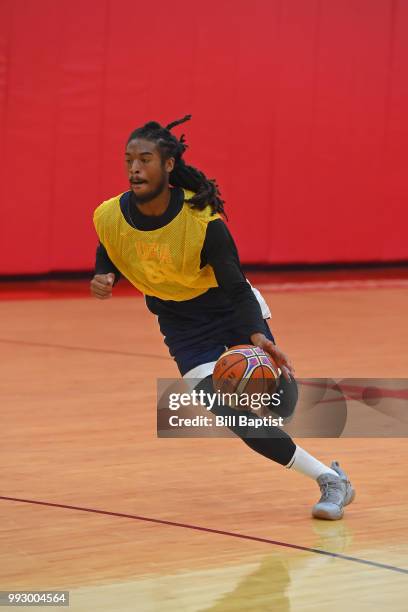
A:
x: 167, y: 236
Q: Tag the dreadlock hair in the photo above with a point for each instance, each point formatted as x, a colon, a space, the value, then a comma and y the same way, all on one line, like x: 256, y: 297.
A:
x: 205, y: 190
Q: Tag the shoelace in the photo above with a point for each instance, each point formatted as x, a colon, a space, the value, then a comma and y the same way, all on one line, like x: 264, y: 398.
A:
x: 326, y: 491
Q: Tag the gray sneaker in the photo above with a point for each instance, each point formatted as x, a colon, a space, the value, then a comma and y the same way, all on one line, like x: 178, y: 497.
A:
x: 337, y: 492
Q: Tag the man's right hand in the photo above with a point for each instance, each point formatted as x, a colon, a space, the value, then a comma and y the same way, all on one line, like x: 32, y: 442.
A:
x: 101, y: 285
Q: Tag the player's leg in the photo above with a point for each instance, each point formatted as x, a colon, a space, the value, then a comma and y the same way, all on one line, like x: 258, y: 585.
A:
x: 278, y: 446
x: 330, y: 504
x: 275, y: 444
x: 196, y: 354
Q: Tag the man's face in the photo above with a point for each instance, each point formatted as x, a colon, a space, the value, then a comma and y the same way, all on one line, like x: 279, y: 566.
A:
x: 148, y: 173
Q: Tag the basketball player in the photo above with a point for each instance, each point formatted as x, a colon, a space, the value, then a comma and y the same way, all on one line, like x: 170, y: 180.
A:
x: 168, y: 237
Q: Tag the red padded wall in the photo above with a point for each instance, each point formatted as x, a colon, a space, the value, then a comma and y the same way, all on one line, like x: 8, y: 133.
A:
x: 299, y: 111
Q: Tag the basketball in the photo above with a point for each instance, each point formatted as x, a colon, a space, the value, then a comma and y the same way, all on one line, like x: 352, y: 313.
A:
x: 245, y: 369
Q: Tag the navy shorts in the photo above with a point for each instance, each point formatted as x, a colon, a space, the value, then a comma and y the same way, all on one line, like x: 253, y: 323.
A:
x: 203, y: 344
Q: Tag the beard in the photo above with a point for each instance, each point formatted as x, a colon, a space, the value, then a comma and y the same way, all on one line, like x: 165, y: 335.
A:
x: 151, y: 195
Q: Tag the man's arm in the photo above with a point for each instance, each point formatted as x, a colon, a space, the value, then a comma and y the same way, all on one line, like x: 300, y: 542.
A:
x: 103, y: 264
x: 106, y: 275
x: 220, y: 252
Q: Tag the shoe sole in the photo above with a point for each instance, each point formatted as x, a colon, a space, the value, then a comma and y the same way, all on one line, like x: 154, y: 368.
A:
x: 330, y: 516
x: 327, y: 515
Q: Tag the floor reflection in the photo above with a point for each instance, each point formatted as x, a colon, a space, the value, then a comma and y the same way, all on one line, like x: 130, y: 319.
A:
x: 267, y: 588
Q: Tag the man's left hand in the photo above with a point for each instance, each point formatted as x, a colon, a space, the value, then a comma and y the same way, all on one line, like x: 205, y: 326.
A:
x: 277, y: 355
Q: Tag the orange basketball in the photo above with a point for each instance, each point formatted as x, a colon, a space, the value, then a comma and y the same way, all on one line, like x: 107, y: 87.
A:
x: 245, y: 369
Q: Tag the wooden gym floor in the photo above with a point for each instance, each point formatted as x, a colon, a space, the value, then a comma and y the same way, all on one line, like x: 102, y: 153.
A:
x: 78, y: 425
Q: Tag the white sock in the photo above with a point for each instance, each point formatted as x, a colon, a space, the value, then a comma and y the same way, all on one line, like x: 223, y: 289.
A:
x: 309, y: 466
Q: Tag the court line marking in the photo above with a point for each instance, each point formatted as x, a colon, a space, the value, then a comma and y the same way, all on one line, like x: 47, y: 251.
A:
x: 347, y: 389
x: 333, y: 285
x: 273, y: 286
x: 232, y: 534
x: 82, y: 348
x: 400, y: 394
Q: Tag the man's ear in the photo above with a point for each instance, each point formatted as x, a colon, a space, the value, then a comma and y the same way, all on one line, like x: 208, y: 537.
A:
x: 169, y: 164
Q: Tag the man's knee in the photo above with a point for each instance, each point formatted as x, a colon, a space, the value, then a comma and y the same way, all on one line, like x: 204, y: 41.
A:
x: 288, y: 396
